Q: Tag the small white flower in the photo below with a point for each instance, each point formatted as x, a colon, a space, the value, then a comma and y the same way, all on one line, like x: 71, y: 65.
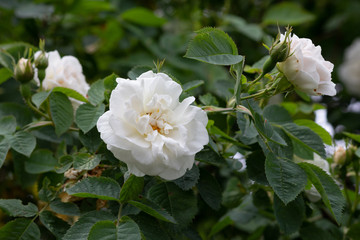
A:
x: 64, y: 72
x: 306, y: 68
x: 349, y: 70
x: 150, y: 130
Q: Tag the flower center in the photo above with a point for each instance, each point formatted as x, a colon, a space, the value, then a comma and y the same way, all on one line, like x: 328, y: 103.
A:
x: 157, y: 122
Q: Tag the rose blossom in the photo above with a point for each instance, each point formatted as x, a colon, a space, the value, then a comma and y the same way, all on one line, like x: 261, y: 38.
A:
x: 150, y: 130
x: 306, y: 68
x: 349, y: 70
x: 64, y: 72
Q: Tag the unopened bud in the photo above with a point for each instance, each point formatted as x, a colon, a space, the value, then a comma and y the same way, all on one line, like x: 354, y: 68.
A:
x: 41, y: 61
x: 24, y: 71
x: 340, y: 156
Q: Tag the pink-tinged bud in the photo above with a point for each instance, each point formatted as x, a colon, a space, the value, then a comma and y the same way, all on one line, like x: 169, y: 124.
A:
x: 340, y: 156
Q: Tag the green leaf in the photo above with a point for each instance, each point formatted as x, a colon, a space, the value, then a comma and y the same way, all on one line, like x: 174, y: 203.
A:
x: 65, y: 208
x: 5, y: 74
x: 87, y: 116
x: 128, y: 229
x: 180, y: 204
x: 142, y: 16
x: 55, y: 225
x: 209, y: 156
x: 305, y: 137
x: 353, y: 136
x: 328, y: 189
x: 110, y: 81
x: 62, y: 112
x: 7, y: 125
x: 96, y: 92
x: 91, y: 140
x: 22, y: 114
x: 39, y: 98
x: 20, y: 229
x: 42, y: 160
x: 233, y: 193
x: 285, y: 177
x: 131, y: 189
x: 4, y: 148
x: 255, y: 167
x: 213, y: 46
x: 251, y: 30
x: 153, y: 209
x: 96, y: 187
x: 64, y: 163
x: 70, y: 93
x: 15, y: 208
x: 220, y: 225
x: 308, y: 232
x: 80, y: 230
x: 287, y: 13
x: 136, y: 71
x: 325, y: 136
x: 276, y: 114
x: 150, y: 228
x: 85, y: 161
x: 47, y: 192
x: 23, y: 142
x: 209, y: 190
x: 192, y: 85
x: 6, y: 60
x: 264, y: 127
x: 103, y: 230
x: 189, y: 179
x: 289, y: 216
x: 354, y: 231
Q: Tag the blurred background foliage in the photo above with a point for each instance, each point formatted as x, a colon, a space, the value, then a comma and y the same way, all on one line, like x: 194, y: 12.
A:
x: 127, y: 36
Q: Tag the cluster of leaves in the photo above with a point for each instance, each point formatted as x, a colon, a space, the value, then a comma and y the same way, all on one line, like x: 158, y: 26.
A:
x: 218, y: 198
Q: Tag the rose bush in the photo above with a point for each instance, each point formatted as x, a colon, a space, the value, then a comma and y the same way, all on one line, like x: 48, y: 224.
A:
x: 349, y: 70
x: 306, y: 68
x: 150, y: 130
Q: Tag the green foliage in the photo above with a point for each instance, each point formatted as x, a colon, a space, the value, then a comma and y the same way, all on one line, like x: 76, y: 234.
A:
x: 20, y: 229
x: 329, y: 191
x: 142, y: 16
x: 181, y: 205
x: 132, y: 188
x: 87, y: 116
x: 153, y: 209
x: 40, y: 161
x: 213, y: 46
x: 80, y: 230
x: 289, y: 216
x: 287, y: 13
x: 70, y: 93
x: 61, y: 112
x: 285, y: 177
x: 55, y: 225
x: 15, y: 208
x: 96, y: 187
x: 209, y: 190
x: 85, y: 161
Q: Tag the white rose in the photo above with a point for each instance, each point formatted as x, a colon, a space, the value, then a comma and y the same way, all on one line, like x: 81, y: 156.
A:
x: 64, y: 72
x: 306, y: 68
x: 150, y: 130
x: 349, y: 70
